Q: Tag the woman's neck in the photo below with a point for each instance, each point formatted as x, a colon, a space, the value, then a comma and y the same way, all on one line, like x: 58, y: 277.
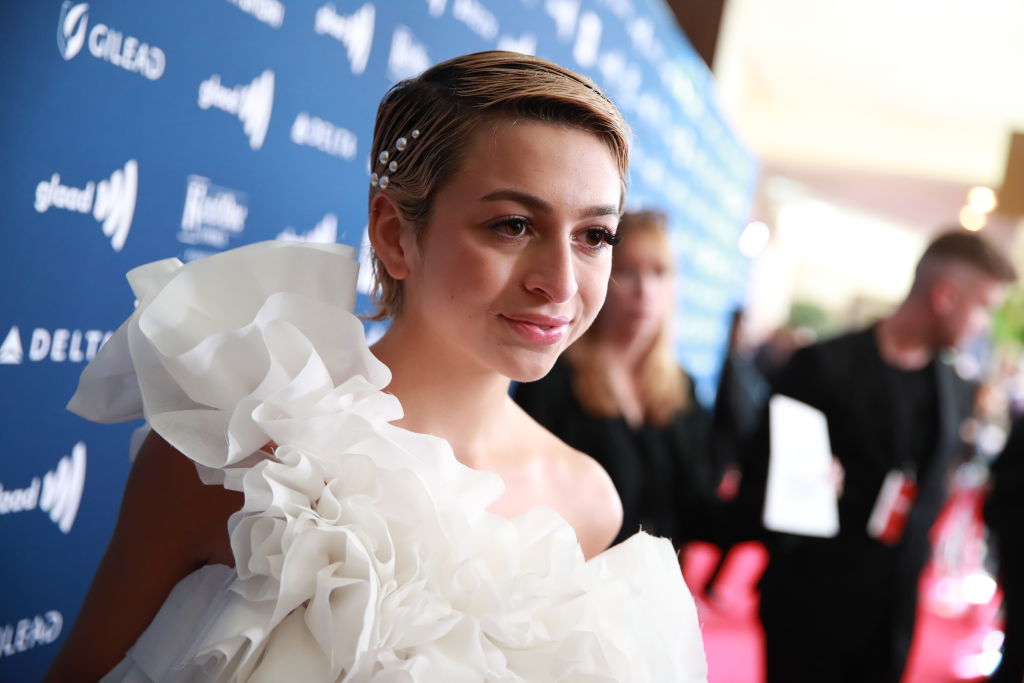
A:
x: 443, y: 395
x: 624, y: 353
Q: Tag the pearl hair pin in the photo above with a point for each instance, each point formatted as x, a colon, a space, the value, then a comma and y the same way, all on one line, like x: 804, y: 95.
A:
x: 390, y: 164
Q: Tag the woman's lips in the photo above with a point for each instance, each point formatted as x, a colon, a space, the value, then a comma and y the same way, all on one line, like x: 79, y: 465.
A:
x: 538, y: 329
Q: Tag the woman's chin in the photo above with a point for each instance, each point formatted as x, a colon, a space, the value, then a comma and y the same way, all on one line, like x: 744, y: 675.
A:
x: 533, y: 371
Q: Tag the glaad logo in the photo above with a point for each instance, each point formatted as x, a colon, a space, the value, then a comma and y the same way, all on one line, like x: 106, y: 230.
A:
x: 31, y: 632
x: 59, y: 346
x: 408, y: 57
x: 525, y: 44
x: 74, y: 21
x: 436, y: 7
x: 324, y: 232
x: 58, y: 493
x: 355, y: 32
x: 477, y: 17
x: 270, y: 12
x: 324, y: 136
x: 588, y: 38
x: 111, y: 201
x: 252, y: 103
x: 110, y: 45
x: 212, y: 214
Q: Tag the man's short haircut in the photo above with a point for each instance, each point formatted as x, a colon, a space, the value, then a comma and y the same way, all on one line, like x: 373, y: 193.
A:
x: 958, y: 246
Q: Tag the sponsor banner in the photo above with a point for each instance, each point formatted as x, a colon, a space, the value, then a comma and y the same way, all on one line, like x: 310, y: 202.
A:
x: 354, y: 31
x: 58, y: 345
x: 213, y: 215
x: 147, y: 130
x: 31, y: 632
x: 56, y: 493
x: 324, y: 232
x: 113, y: 46
x: 110, y: 201
x: 252, y: 103
x: 270, y: 12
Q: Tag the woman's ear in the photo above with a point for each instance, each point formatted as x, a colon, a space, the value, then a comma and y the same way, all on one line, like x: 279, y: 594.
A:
x: 386, y: 232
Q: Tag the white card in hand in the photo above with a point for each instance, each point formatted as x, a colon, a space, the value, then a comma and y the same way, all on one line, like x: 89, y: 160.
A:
x: 800, y: 497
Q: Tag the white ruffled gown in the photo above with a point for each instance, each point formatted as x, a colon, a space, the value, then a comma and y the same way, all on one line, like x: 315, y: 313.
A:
x: 363, y: 552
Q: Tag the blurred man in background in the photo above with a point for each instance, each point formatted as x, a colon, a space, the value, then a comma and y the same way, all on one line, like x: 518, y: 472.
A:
x: 843, y: 608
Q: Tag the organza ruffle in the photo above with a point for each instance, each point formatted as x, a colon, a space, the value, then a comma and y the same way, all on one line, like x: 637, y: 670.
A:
x: 363, y: 551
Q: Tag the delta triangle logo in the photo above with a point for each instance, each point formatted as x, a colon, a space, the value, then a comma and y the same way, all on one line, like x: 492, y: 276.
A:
x: 11, y: 351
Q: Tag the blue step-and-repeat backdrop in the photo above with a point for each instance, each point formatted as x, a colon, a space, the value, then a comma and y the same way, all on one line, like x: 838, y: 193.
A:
x: 134, y: 131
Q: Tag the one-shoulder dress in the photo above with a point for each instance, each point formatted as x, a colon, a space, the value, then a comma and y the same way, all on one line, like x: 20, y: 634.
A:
x: 363, y: 551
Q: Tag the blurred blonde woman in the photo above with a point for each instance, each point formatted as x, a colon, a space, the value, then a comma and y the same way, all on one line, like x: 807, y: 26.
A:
x: 619, y: 394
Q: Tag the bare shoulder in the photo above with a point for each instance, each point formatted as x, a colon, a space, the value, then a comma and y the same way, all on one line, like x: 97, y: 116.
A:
x: 169, y: 525
x: 580, y: 490
x: 164, y: 490
x: 596, y: 502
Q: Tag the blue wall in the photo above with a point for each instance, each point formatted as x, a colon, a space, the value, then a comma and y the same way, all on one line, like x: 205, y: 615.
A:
x: 134, y: 131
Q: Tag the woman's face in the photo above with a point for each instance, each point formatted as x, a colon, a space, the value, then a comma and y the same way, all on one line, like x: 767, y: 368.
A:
x: 513, y: 266
x: 640, y: 293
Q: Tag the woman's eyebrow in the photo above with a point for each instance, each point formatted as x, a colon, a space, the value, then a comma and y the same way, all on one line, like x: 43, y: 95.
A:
x: 538, y: 204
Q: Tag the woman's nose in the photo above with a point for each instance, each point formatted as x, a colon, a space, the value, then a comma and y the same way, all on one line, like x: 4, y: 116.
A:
x: 551, y: 272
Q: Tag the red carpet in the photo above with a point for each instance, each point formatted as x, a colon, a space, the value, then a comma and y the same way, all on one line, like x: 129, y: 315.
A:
x: 953, y: 643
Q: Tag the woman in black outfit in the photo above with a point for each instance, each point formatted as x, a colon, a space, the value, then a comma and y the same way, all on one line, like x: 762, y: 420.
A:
x: 619, y: 395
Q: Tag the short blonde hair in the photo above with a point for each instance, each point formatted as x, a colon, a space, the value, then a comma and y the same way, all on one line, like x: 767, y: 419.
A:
x: 446, y: 105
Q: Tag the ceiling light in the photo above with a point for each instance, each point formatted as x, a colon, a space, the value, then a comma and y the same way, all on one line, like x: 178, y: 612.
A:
x: 981, y: 199
x: 754, y: 238
x: 971, y: 219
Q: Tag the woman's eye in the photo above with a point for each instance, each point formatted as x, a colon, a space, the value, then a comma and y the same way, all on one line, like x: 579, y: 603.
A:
x: 598, y: 237
x: 511, y: 227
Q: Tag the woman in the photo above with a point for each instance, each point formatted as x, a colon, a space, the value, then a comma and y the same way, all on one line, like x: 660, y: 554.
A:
x: 620, y: 396
x: 364, y: 548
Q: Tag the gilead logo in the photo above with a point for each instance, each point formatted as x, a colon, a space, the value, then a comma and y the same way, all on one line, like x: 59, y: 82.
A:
x: 252, y: 103
x: 110, y: 45
x: 58, y: 492
x: 111, y: 201
x: 74, y: 20
x: 41, y: 629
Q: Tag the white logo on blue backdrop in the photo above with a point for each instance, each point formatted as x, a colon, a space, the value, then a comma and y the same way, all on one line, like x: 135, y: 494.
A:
x: 270, y: 12
x: 111, y: 201
x: 110, y: 45
x: 212, y: 214
x: 324, y: 232
x: 71, y: 28
x: 408, y: 57
x: 59, y: 345
x: 478, y: 18
x: 355, y: 31
x: 252, y: 103
x: 58, y: 493
x: 323, y: 135
x: 26, y: 634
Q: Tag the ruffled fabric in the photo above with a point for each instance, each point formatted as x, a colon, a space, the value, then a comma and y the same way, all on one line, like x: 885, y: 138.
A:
x: 363, y: 552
